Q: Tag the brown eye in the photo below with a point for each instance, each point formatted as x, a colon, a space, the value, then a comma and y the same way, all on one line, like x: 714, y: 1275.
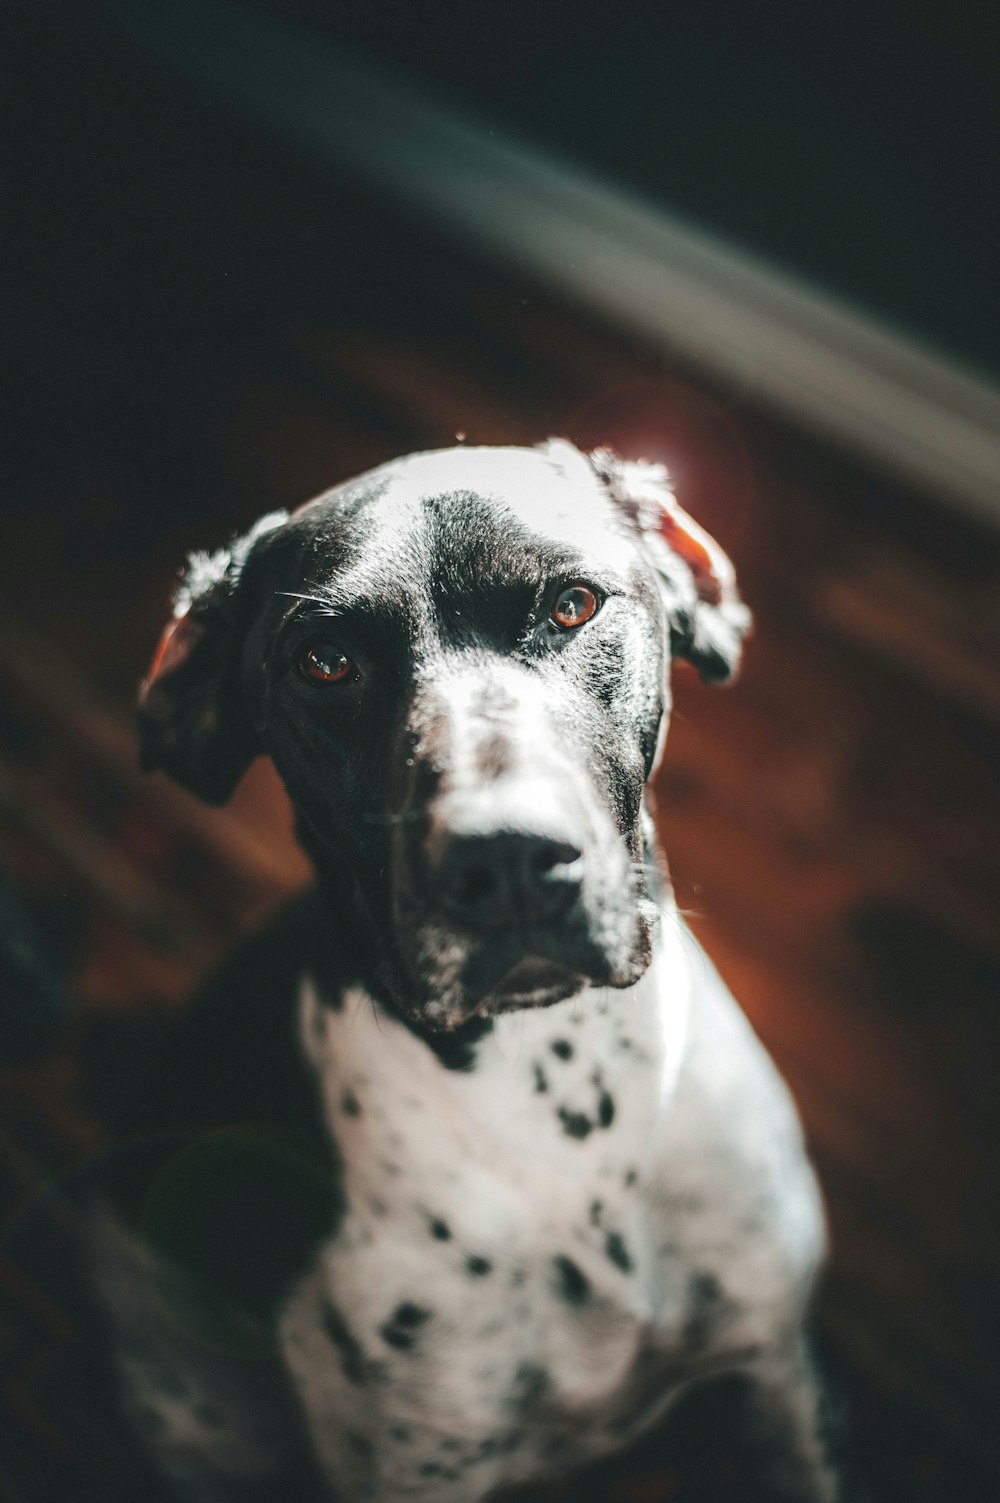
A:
x: 574, y: 606
x: 324, y: 663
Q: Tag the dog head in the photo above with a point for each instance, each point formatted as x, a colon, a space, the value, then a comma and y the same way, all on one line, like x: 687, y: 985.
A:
x: 459, y: 664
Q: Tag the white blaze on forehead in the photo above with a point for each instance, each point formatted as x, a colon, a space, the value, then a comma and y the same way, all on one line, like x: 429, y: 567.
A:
x: 551, y: 491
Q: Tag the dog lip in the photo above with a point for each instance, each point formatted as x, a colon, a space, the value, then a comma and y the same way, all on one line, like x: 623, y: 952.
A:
x: 567, y: 948
x: 532, y: 973
x: 533, y: 981
x: 516, y: 971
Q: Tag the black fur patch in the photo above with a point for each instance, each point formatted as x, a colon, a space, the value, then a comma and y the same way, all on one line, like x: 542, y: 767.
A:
x: 575, y: 1124
x: 400, y: 1330
x: 352, y: 1359
x: 704, y: 1294
x: 456, y: 1048
x: 614, y: 1246
x: 531, y: 1381
x: 445, y: 1473
x: 240, y: 1208
x: 573, y: 1284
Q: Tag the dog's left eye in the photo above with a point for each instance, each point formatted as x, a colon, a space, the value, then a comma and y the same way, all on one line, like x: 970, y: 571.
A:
x: 324, y: 663
x: 574, y: 606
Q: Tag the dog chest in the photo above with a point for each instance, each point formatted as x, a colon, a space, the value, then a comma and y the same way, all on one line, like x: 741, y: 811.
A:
x: 495, y: 1251
x: 551, y: 1126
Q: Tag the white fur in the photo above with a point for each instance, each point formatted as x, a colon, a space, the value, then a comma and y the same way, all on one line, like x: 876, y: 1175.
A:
x: 487, y: 1154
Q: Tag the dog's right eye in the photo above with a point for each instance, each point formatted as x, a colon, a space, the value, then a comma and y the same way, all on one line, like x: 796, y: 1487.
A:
x: 574, y: 607
x: 325, y: 663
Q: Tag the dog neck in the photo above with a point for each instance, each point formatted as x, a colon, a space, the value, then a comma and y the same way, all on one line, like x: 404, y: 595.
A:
x: 569, y: 1091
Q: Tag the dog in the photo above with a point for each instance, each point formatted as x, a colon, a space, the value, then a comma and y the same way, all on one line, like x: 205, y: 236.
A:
x: 523, y: 1175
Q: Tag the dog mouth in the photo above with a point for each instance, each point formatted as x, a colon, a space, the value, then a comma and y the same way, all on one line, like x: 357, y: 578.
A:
x: 531, y: 981
x: 505, y: 916
x: 458, y: 979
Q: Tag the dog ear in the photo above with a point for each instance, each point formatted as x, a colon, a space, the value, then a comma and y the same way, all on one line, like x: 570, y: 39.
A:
x: 708, y: 620
x: 193, y: 722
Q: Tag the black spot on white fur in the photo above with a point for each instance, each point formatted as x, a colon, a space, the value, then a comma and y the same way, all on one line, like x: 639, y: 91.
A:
x: 571, y: 1282
x: 435, y: 1469
x: 402, y: 1328
x: 351, y: 1356
x: 614, y: 1246
x: 706, y: 1307
x: 531, y: 1382
x: 575, y: 1124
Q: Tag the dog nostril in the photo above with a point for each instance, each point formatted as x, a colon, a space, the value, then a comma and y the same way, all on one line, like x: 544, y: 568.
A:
x: 473, y: 887
x: 549, y: 855
x: 509, y: 878
x: 552, y: 879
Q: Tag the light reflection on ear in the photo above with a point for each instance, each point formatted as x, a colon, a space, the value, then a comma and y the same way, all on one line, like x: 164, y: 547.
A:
x: 698, y: 438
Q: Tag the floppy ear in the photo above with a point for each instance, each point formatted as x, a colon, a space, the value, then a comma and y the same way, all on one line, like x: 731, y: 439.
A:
x: 192, y: 720
x: 708, y: 620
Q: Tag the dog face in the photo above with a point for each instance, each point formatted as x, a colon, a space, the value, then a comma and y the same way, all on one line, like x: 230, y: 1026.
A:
x: 459, y: 665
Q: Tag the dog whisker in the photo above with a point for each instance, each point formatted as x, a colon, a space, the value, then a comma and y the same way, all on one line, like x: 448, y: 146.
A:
x: 313, y: 599
x: 407, y: 815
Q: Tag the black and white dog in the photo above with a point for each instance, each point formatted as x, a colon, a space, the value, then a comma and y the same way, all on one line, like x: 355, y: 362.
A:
x: 520, y: 1174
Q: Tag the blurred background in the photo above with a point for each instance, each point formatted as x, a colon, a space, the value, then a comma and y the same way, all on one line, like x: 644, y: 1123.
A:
x: 254, y: 248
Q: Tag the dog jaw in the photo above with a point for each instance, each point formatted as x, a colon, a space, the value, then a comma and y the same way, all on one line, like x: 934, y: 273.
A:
x: 430, y: 983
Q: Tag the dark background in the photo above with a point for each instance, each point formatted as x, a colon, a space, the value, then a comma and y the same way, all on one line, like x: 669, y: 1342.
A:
x: 854, y: 144
x: 200, y: 325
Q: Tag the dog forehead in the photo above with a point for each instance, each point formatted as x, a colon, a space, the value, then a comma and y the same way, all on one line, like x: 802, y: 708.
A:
x: 549, y: 495
x: 550, y: 492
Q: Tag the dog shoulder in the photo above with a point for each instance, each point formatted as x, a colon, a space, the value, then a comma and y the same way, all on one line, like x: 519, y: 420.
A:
x: 735, y: 1154
x: 224, y: 1159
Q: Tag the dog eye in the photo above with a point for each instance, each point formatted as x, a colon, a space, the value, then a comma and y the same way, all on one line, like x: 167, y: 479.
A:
x: 324, y: 663
x: 574, y: 606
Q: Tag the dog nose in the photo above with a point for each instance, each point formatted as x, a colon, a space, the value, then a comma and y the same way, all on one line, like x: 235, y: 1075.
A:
x: 507, y: 876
